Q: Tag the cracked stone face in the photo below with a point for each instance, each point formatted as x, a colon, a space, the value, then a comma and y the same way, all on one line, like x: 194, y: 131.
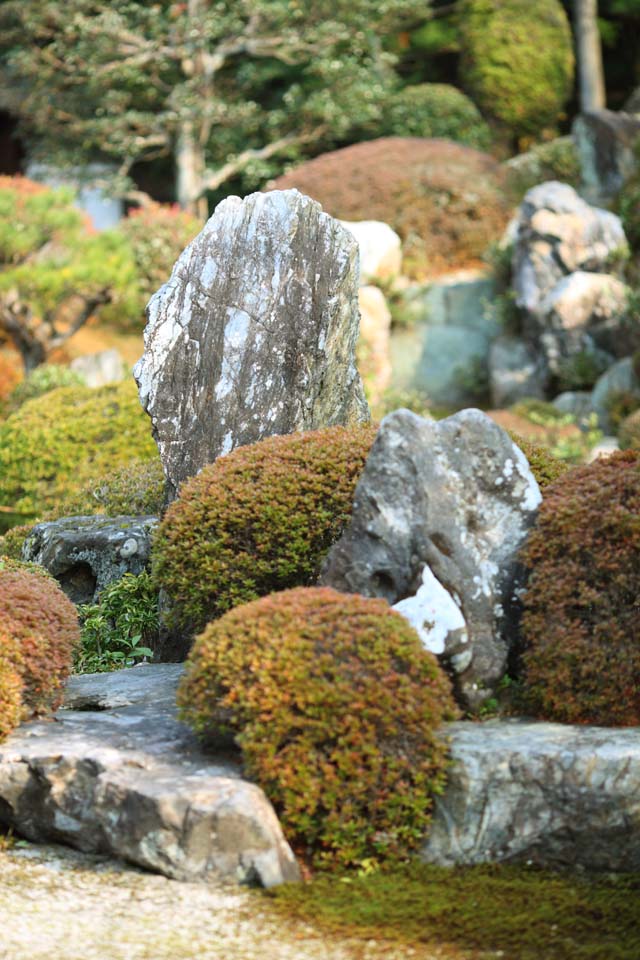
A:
x: 439, y: 515
x: 254, y: 334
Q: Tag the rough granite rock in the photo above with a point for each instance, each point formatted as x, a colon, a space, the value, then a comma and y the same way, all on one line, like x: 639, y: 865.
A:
x: 607, y: 143
x: 515, y: 371
x: 550, y: 793
x: 254, y: 334
x: 439, y: 514
x: 85, y: 554
x: 118, y: 773
x: 619, y: 379
x: 557, y: 234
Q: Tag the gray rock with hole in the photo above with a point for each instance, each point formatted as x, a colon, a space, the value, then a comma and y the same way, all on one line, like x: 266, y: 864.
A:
x: 254, y: 334
x: 439, y: 515
x: 86, y: 554
x: 118, y: 773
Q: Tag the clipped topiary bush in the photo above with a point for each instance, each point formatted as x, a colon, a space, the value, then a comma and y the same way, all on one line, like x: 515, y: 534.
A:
x: 581, y: 655
x: 517, y: 61
x: 10, y: 685
x: 57, y: 443
x: 136, y: 490
x: 544, y: 466
x: 444, y: 200
x: 257, y: 520
x: 336, y: 706
x: 435, y: 110
x: 42, y: 380
x: 35, y: 613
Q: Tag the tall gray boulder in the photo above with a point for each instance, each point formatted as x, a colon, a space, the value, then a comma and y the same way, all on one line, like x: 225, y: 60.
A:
x: 439, y: 515
x: 254, y: 334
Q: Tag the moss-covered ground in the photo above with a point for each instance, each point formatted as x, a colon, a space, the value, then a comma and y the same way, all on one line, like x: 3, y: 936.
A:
x: 518, y: 912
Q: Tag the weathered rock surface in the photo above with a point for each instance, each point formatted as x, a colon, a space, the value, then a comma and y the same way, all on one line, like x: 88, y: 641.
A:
x: 380, y: 249
x: 439, y: 514
x: 98, y: 369
x: 606, y: 143
x: 254, y: 334
x: 515, y: 371
x: 621, y: 378
x: 85, y: 554
x: 582, y: 310
x: 117, y: 773
x: 551, y: 793
x: 557, y: 234
x: 372, y: 350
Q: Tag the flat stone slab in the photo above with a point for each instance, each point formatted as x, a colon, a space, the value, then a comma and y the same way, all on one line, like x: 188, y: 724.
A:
x: 550, y: 793
x: 116, y: 772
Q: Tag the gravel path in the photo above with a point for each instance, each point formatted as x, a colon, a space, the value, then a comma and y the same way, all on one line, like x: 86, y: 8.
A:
x: 58, y: 904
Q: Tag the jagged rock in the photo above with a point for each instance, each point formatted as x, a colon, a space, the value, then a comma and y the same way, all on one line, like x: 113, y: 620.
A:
x: 606, y: 143
x: 85, y: 554
x: 254, y: 334
x: 559, y: 233
x: 515, y: 371
x: 372, y: 349
x: 98, y: 369
x: 553, y: 794
x: 118, y: 773
x: 439, y: 514
x: 582, y: 310
x: 380, y: 249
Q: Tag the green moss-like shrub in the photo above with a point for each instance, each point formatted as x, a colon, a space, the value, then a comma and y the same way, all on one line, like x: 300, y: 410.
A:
x: 583, y: 664
x: 12, y: 541
x: 445, y: 200
x: 36, y: 614
x: 544, y: 466
x: 136, y: 490
x: 435, y: 110
x: 43, y: 379
x: 336, y: 705
x: 629, y: 432
x: 554, y: 160
x: 257, y: 520
x: 517, y: 61
x: 57, y: 443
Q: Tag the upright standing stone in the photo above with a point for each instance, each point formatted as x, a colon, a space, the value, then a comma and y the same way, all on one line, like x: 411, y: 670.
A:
x: 254, y: 334
x: 439, y: 515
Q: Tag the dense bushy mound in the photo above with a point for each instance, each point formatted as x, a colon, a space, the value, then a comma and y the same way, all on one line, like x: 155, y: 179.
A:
x: 443, y: 199
x: 43, y: 379
x: 35, y: 613
x: 257, y: 520
x: 629, y: 432
x: 435, y: 110
x: 544, y: 466
x: 59, y: 442
x: 517, y: 61
x: 136, y: 490
x: 581, y: 620
x: 336, y: 704
x: 9, y: 379
x: 10, y: 685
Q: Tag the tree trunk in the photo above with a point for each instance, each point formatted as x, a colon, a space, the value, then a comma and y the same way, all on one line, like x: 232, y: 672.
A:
x: 190, y: 166
x: 591, y: 89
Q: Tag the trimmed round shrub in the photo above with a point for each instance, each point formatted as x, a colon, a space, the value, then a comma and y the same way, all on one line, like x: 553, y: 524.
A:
x: 517, y: 61
x: 57, y: 443
x: 36, y: 614
x: 10, y: 686
x: 544, y: 466
x: 629, y: 432
x: 444, y: 200
x: 136, y: 490
x: 44, y: 379
x: 435, y: 110
x: 336, y: 706
x: 257, y: 520
x: 581, y: 655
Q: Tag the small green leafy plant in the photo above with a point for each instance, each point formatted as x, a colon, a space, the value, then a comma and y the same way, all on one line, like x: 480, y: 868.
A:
x: 116, y: 630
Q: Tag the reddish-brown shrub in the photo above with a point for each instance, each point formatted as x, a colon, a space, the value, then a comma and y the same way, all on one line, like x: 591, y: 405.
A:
x: 9, y: 377
x: 35, y: 612
x: 581, y: 620
x: 336, y: 706
x: 10, y: 685
x: 257, y: 520
x: 445, y: 200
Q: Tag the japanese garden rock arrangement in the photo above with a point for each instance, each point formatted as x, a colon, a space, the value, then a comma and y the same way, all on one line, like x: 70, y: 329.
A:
x: 258, y: 325
x: 119, y: 773
x: 439, y: 515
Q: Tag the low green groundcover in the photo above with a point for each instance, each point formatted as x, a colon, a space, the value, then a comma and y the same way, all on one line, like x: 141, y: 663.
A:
x: 524, y: 912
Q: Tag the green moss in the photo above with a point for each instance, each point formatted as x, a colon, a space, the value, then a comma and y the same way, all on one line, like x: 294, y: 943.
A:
x: 136, y: 490
x: 517, y: 61
x: 55, y: 444
x: 526, y: 913
x: 544, y: 466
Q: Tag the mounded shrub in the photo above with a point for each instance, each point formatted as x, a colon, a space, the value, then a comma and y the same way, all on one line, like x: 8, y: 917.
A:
x: 35, y: 613
x: 544, y: 466
x: 10, y: 685
x: 257, y: 520
x: 43, y: 379
x: 9, y: 379
x: 629, y: 432
x: 435, y: 110
x: 444, y: 200
x: 336, y: 705
x: 581, y: 655
x: 57, y: 443
x: 136, y: 490
x: 517, y: 61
